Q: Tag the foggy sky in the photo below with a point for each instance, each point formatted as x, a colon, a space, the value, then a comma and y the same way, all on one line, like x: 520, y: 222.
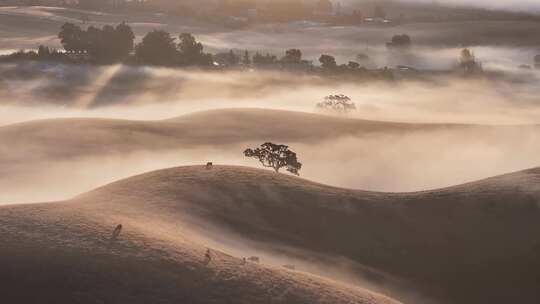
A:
x: 514, y: 5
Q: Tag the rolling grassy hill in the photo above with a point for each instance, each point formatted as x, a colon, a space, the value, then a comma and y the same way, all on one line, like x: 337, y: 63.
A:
x: 473, y: 243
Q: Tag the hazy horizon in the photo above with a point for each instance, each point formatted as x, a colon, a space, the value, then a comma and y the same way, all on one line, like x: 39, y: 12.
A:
x: 511, y: 5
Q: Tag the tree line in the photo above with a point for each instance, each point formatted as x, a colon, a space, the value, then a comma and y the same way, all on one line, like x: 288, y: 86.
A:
x: 116, y: 44
x: 111, y: 44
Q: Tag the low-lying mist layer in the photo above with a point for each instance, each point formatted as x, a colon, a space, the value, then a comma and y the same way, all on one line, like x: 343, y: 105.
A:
x: 341, y: 152
x: 386, y: 161
x: 39, y: 90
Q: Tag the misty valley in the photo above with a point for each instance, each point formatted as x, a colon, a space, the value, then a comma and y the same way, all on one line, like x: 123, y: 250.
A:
x: 253, y: 151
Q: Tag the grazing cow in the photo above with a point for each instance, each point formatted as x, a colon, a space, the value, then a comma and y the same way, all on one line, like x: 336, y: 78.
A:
x: 207, y: 256
x: 254, y: 259
x: 116, y: 231
x: 209, y: 165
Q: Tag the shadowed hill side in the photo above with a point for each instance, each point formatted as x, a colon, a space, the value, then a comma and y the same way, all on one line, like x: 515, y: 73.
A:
x: 64, y: 253
x: 475, y: 243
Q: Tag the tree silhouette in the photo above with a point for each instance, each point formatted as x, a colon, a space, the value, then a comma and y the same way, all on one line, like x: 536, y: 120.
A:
x: 71, y: 37
x: 44, y: 51
x: 468, y: 62
x: 108, y: 44
x: 246, y: 60
x: 157, y: 48
x: 327, y: 61
x: 97, y: 43
x: 353, y: 65
x: 275, y: 156
x: 124, y: 37
x: 233, y: 59
x: 292, y: 56
x: 267, y: 59
x: 191, y: 51
x: 399, y: 42
x: 338, y: 103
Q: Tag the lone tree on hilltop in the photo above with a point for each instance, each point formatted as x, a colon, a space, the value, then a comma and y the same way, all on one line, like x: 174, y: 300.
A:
x: 338, y: 103
x: 275, y: 156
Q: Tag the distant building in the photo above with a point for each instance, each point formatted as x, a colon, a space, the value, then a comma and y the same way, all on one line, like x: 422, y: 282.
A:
x: 377, y: 20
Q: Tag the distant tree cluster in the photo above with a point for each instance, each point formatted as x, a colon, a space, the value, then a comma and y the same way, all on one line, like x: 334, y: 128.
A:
x: 292, y: 56
x: 114, y: 44
x: 160, y: 48
x: 226, y: 59
x: 267, y: 59
x: 400, y: 42
x: 327, y: 62
x: 106, y: 44
x: 339, y: 103
x: 292, y: 60
x: 43, y: 53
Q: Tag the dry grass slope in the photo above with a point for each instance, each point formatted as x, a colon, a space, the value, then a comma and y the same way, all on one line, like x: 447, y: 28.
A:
x: 63, y: 253
x: 474, y: 243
